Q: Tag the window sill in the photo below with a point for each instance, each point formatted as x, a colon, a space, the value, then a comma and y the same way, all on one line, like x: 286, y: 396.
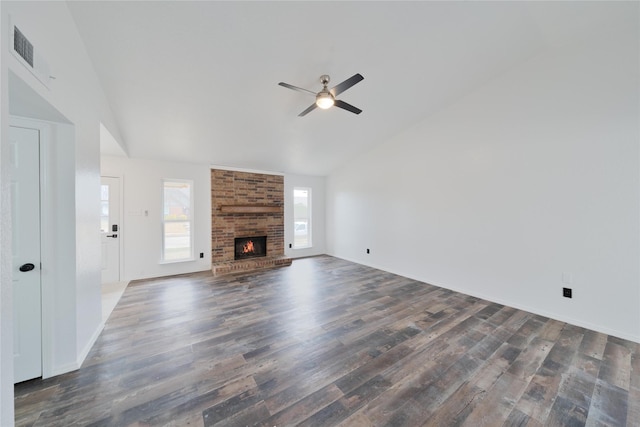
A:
x: 175, y: 261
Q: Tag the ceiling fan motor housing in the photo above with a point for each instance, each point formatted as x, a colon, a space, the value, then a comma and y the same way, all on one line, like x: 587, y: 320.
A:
x: 325, y: 79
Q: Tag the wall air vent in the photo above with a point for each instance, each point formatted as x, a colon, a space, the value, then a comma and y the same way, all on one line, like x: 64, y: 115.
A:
x: 22, y: 46
x: 28, y: 55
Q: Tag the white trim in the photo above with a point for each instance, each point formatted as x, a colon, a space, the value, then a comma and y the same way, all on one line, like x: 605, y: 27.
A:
x: 309, y: 217
x: 230, y: 168
x: 47, y: 296
x: 83, y: 354
x: 176, y: 261
x: 121, y: 226
x: 190, y: 220
x: 63, y: 369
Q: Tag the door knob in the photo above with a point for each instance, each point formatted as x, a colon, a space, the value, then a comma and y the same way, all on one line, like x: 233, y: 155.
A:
x: 115, y: 236
x: 27, y: 267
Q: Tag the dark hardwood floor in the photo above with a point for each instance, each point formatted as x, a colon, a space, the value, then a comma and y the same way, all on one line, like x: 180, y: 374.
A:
x: 326, y: 342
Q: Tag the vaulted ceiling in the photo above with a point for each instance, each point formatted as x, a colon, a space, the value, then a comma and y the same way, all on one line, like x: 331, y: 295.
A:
x: 198, y: 81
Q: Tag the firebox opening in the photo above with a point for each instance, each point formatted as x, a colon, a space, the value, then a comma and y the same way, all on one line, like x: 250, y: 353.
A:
x: 250, y: 247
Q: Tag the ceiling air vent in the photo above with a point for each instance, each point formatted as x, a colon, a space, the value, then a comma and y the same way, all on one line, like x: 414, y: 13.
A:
x: 22, y: 46
x: 28, y: 55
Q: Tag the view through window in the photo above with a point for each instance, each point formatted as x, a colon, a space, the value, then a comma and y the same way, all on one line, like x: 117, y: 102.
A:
x: 301, y: 217
x: 177, y: 218
x: 104, y: 208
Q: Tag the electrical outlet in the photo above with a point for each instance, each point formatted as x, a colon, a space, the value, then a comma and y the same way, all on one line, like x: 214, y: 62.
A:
x: 290, y: 245
x: 367, y: 250
x: 201, y: 254
x: 566, y: 292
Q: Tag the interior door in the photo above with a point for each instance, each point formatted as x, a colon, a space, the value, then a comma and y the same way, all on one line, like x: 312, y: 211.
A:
x: 110, y: 228
x: 27, y: 301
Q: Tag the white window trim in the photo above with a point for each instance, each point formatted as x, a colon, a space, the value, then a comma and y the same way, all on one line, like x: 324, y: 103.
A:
x: 163, y: 221
x: 309, y: 219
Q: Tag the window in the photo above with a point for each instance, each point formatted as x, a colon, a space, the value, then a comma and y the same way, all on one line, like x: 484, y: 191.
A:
x: 104, y: 208
x: 177, y: 220
x: 301, y: 217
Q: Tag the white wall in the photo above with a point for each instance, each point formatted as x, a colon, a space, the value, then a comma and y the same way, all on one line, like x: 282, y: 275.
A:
x: 317, y: 185
x: 534, y: 175
x: 142, y: 234
x: 76, y: 97
x: 6, y: 304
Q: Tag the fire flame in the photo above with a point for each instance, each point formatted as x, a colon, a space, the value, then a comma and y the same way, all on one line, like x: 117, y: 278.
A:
x: 248, y: 248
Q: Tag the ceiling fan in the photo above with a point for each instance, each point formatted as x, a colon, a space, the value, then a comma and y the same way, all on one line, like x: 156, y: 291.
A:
x: 326, y: 98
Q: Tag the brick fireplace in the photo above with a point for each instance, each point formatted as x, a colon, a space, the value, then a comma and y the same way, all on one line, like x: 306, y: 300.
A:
x: 246, y: 204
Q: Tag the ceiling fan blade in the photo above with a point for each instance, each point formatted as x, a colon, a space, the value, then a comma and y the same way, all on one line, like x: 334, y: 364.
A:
x: 299, y: 89
x: 341, y: 87
x: 348, y: 107
x: 308, y: 110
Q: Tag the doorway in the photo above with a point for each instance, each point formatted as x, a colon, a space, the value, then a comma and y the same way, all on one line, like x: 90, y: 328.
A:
x: 58, y: 267
x: 56, y: 264
x: 110, y: 228
x: 26, y: 247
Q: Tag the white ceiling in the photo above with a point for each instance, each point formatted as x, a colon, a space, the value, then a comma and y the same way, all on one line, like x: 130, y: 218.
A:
x: 198, y: 81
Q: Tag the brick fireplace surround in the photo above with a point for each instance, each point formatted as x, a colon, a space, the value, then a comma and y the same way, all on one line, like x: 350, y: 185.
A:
x: 246, y: 204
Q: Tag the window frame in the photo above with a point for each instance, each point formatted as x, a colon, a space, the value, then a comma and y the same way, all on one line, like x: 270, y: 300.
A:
x: 308, y: 218
x: 102, y: 201
x: 164, y: 221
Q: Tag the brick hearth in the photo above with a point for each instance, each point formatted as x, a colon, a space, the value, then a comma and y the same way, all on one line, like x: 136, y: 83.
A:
x: 248, y: 265
x: 246, y: 204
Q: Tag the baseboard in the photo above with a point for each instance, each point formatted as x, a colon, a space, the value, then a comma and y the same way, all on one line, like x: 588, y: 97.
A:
x: 69, y: 367
x: 555, y: 316
x: 87, y: 348
x: 63, y: 369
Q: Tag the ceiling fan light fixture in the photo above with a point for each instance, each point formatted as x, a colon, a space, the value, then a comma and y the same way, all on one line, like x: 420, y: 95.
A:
x: 324, y: 100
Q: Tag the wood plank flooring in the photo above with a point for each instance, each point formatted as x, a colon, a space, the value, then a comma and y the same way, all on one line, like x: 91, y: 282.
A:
x: 326, y: 342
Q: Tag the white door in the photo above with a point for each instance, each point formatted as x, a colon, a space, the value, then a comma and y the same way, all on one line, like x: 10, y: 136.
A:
x: 110, y: 228
x: 27, y: 309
